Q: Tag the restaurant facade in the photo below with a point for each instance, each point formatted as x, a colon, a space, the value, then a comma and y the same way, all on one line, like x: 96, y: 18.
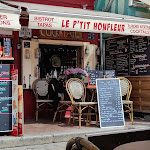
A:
x: 52, y: 30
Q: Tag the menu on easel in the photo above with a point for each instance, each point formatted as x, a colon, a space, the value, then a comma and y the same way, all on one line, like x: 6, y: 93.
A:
x: 5, y: 106
x: 110, y: 102
x: 93, y: 75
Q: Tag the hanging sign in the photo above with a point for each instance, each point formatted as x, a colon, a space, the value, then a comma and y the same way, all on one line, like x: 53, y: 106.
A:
x: 25, y: 32
x: 87, y: 25
x: 10, y: 21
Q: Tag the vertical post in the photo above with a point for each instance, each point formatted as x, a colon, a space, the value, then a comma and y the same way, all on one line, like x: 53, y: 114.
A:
x: 101, y: 48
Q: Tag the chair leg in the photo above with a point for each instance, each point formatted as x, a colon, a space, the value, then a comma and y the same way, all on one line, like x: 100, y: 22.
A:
x: 54, y: 116
x: 88, y: 122
x: 96, y: 115
x: 37, y: 108
x: 131, y: 113
x: 72, y: 109
x: 79, y: 116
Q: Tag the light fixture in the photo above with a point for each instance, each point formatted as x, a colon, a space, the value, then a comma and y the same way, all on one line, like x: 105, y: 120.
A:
x: 97, y: 51
x: 86, y: 50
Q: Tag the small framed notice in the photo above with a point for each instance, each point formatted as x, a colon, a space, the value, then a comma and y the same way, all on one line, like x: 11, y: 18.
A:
x: 110, y: 102
x: 93, y: 75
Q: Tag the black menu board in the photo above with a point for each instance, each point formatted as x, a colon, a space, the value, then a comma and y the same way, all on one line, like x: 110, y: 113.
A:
x: 139, y: 56
x: 129, y: 55
x: 117, y: 55
x: 93, y: 75
x: 5, y: 71
x: 109, y: 73
x: 5, y: 106
x: 110, y: 102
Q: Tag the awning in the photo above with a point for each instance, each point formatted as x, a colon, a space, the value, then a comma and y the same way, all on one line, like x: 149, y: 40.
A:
x: 74, y: 19
x: 9, y: 17
x: 146, y: 2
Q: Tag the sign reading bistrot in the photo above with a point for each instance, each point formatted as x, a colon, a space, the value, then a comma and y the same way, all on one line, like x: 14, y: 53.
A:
x: 110, y: 102
x: 37, y: 21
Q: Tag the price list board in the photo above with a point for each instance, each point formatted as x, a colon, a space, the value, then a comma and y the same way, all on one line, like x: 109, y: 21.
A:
x: 93, y: 75
x: 117, y: 55
x: 5, y: 106
x: 110, y: 102
x: 129, y: 55
x: 139, y: 56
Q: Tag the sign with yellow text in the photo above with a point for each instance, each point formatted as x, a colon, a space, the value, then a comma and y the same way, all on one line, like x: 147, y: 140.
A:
x: 20, y: 111
x: 14, y: 78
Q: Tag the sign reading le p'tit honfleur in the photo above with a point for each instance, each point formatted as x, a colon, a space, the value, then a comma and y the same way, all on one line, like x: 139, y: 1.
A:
x: 110, y: 102
x: 5, y: 106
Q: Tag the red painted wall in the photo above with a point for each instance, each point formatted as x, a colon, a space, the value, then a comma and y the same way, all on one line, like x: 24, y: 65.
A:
x: 65, y: 3
x: 29, y: 99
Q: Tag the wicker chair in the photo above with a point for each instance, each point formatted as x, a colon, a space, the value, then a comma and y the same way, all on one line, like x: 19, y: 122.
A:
x: 40, y: 89
x: 77, y: 93
x: 126, y: 88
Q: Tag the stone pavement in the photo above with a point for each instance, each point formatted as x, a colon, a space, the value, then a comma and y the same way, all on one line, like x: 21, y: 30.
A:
x: 51, y: 146
x: 46, y: 135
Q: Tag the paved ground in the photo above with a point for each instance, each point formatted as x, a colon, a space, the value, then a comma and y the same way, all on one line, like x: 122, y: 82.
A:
x: 51, y: 146
x: 53, y: 136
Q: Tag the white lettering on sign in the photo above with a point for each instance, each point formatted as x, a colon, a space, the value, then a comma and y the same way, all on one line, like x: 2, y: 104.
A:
x: 87, y: 25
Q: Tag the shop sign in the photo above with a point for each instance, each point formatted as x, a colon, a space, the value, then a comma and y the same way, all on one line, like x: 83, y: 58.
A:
x: 20, y: 111
x: 5, y: 106
x: 14, y: 78
x: 10, y: 21
x: 59, y: 34
x: 87, y: 25
x: 5, y: 33
x: 25, y: 32
x: 7, y: 47
x: 4, y: 72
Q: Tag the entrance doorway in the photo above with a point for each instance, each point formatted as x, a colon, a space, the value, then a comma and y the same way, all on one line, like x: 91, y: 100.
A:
x: 57, y: 58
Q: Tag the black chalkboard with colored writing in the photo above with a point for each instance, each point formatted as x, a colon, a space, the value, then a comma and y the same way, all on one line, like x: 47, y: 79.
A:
x: 128, y: 55
x: 117, y: 55
x: 5, y: 106
x: 110, y: 102
x: 93, y: 75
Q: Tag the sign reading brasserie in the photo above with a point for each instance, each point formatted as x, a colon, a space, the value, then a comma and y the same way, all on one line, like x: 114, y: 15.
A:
x: 58, y: 34
x: 87, y: 25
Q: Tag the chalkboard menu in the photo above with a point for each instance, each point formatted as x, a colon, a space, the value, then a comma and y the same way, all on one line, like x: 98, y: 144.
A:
x: 110, y: 102
x: 128, y: 55
x: 117, y: 55
x: 4, y: 72
x: 139, y: 56
x: 5, y: 106
x: 7, y: 46
x: 93, y: 75
x: 109, y: 73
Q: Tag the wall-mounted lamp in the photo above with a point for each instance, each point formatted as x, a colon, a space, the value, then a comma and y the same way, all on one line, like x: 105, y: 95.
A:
x: 97, y: 51
x: 86, y: 50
